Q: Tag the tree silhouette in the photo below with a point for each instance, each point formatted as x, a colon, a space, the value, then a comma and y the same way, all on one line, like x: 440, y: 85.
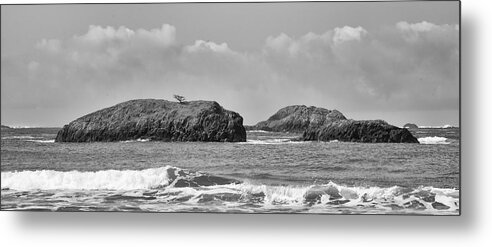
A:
x: 180, y: 98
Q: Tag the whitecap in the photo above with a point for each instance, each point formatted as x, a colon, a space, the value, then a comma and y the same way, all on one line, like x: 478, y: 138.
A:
x: 258, y: 131
x: 17, y: 137
x: 42, y: 141
x: 107, y: 179
x: 273, y: 142
x: 434, y: 140
x: 446, y: 126
x: 136, y: 140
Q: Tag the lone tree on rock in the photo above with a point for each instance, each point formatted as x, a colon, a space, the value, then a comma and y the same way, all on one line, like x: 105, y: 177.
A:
x: 180, y: 98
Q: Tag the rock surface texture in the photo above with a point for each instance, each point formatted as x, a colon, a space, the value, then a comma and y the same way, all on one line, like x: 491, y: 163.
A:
x: 158, y: 120
x: 374, y: 131
x: 298, y: 118
x: 319, y: 124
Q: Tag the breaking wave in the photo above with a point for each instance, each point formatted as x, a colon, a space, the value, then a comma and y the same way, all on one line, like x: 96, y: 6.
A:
x: 258, y: 131
x: 108, y: 179
x: 43, y: 141
x: 446, y: 126
x: 434, y: 140
x: 167, y: 188
x: 18, y: 137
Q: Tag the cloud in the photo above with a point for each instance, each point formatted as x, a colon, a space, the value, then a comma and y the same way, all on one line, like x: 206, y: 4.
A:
x: 404, y: 67
x: 204, y: 46
x: 347, y: 33
x: 97, y: 35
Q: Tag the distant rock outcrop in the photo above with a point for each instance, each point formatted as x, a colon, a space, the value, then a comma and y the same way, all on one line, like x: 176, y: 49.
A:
x: 4, y: 127
x: 359, y: 131
x: 298, y: 118
x: 159, y: 120
x: 319, y: 124
x: 410, y: 126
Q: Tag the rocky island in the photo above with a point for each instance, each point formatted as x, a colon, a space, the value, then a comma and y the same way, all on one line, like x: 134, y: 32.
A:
x: 410, y: 126
x: 157, y: 120
x: 319, y: 124
x: 298, y: 118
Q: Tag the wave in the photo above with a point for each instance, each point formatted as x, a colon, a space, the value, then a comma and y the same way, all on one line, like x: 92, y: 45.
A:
x: 434, y: 140
x: 24, y: 127
x: 18, y: 137
x: 137, y: 140
x: 174, y: 186
x: 334, y: 194
x: 446, y: 126
x: 43, y: 141
x: 258, y: 131
x: 273, y: 142
x: 108, y: 179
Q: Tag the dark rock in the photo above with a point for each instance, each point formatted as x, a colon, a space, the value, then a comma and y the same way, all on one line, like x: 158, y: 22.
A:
x: 298, y: 118
x: 373, y: 131
x: 410, y: 126
x: 4, y: 127
x: 439, y: 206
x: 158, y: 120
x: 319, y: 124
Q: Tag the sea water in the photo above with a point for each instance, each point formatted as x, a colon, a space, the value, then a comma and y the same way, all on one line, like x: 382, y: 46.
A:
x: 269, y: 173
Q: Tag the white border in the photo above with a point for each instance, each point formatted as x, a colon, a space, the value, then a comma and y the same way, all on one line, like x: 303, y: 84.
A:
x: 471, y: 229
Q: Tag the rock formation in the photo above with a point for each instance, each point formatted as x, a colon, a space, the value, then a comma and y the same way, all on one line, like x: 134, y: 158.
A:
x: 298, y: 118
x: 410, y: 126
x: 319, y: 124
x: 158, y: 120
x: 359, y: 131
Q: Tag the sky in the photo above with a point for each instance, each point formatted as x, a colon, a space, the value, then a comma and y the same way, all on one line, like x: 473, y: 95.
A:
x: 396, y: 61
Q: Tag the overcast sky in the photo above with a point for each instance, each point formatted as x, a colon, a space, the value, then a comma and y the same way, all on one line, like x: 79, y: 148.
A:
x: 397, y: 61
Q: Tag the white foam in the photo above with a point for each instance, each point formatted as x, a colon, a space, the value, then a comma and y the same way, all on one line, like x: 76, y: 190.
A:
x: 433, y: 140
x: 24, y: 127
x: 446, y: 126
x: 137, y: 140
x: 258, y: 131
x: 107, y: 179
x: 43, y: 141
x: 296, y: 195
x: 17, y: 137
x: 273, y: 142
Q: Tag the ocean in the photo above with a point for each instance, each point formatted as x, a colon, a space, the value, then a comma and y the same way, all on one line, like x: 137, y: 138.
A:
x: 269, y: 173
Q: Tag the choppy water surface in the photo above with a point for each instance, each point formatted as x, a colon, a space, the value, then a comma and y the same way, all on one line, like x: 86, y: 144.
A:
x: 269, y: 173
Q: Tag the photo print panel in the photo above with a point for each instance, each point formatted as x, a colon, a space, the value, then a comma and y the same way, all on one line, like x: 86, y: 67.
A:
x: 266, y: 107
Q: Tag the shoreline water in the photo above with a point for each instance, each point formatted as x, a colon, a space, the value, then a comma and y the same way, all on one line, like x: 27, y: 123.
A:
x: 276, y: 174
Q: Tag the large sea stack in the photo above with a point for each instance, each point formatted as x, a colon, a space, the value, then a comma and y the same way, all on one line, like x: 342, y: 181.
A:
x: 298, y: 118
x: 374, y: 131
x: 158, y: 120
x: 319, y: 124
